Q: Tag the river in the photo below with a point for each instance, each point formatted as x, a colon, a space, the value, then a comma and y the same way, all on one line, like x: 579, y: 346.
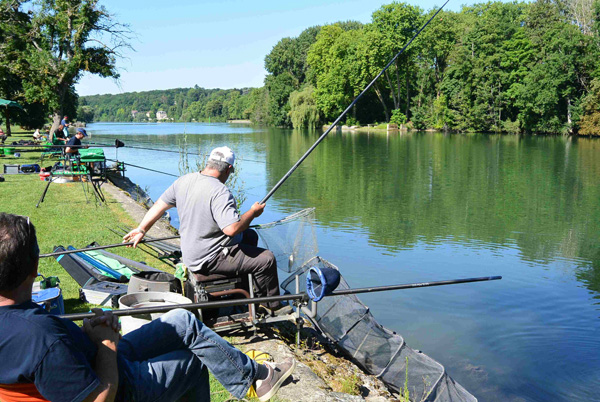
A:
x: 399, y: 208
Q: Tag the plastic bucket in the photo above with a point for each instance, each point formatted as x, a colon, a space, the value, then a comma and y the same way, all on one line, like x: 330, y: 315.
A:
x: 146, y: 299
x: 44, y: 176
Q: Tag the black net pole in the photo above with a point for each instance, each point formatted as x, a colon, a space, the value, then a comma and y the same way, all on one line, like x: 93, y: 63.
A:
x: 290, y: 297
x: 103, y: 247
x: 322, y: 137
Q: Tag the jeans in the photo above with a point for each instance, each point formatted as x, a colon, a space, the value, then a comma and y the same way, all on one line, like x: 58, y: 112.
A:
x: 167, y: 360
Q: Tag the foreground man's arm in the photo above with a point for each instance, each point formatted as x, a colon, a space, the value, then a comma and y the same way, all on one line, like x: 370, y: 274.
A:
x: 103, y: 331
x: 153, y: 214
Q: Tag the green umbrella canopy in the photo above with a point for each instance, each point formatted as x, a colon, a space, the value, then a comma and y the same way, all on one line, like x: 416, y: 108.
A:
x: 8, y: 103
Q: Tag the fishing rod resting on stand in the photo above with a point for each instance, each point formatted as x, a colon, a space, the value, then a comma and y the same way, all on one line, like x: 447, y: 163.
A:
x: 300, y: 298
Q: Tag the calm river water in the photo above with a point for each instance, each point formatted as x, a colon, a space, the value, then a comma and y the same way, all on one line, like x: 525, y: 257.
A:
x: 418, y: 207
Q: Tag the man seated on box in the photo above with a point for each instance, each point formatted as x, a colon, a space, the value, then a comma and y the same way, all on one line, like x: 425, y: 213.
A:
x: 74, y: 143
x: 53, y: 359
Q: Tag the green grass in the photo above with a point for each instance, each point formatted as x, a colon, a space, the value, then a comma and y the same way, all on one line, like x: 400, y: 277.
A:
x: 64, y: 218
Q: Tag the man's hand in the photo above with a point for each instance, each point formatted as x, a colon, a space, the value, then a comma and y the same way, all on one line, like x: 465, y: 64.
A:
x: 103, y: 329
x: 136, y: 235
x: 257, y: 209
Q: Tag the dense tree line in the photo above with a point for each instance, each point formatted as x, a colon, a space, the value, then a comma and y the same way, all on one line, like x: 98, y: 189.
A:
x: 503, y: 67
x: 180, y: 104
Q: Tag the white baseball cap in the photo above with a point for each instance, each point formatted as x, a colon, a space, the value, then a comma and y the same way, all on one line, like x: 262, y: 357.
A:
x: 222, y: 154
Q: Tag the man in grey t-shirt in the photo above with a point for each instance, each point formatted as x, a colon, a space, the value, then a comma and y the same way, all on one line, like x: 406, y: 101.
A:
x: 208, y: 217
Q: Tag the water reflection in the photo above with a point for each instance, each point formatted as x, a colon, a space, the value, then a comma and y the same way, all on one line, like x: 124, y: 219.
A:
x: 405, y: 208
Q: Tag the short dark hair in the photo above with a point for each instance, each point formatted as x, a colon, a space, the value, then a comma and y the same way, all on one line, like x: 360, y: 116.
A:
x: 217, y: 165
x: 19, y: 251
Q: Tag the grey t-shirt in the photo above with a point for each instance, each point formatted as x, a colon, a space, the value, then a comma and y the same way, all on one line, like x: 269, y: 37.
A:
x: 205, y: 207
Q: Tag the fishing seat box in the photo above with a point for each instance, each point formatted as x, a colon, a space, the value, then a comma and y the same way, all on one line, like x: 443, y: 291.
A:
x: 149, y: 281
x: 103, y: 293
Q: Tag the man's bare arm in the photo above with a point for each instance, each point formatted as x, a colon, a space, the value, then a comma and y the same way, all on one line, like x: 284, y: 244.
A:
x: 153, y: 214
x: 244, y: 223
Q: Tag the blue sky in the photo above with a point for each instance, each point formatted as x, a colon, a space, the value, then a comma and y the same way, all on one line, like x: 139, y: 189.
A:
x: 216, y: 44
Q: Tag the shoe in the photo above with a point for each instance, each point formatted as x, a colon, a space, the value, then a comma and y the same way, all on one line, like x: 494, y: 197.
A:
x: 278, y: 373
x: 280, y: 310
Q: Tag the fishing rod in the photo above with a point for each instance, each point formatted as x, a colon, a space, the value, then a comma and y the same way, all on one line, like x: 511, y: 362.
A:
x: 104, y: 247
x: 322, y: 137
x: 187, y: 153
x: 141, y: 167
x: 118, y: 144
x: 303, y: 297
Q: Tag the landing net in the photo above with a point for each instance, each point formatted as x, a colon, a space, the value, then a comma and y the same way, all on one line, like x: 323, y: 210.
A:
x: 292, y: 239
x: 349, y: 325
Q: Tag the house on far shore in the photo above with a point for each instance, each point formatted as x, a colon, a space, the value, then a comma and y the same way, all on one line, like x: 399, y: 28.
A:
x: 133, y: 113
x: 161, y: 115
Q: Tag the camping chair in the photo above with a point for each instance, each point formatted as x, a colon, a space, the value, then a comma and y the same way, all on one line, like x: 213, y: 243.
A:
x: 20, y: 393
x: 52, y: 152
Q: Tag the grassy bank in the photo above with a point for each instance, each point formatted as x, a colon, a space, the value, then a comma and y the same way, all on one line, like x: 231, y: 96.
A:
x: 65, y: 218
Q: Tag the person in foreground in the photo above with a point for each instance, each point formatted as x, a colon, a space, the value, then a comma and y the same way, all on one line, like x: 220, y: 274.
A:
x: 215, y: 238
x: 53, y: 359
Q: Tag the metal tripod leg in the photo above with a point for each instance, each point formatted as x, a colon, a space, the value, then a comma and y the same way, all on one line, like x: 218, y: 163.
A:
x: 45, y: 191
x: 96, y: 185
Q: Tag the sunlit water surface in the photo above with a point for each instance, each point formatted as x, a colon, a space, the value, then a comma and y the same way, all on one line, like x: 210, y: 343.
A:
x: 417, y: 207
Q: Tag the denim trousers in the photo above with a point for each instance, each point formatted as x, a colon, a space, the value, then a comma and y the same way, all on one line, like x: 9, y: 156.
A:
x: 168, y: 358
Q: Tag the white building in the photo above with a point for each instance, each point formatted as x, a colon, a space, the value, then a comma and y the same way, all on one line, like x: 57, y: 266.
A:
x: 161, y: 115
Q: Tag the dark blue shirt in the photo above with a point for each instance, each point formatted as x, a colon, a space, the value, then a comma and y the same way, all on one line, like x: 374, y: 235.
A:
x: 40, y: 348
x: 74, y: 142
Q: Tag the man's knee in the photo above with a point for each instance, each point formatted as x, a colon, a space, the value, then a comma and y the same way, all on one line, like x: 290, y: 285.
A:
x: 268, y: 261
x: 179, y: 316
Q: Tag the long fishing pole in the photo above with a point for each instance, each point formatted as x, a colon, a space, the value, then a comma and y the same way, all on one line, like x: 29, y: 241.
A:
x: 290, y: 297
x: 83, y: 144
x: 117, y: 144
x: 186, y: 152
x: 322, y: 137
x: 103, y: 247
x: 142, y: 167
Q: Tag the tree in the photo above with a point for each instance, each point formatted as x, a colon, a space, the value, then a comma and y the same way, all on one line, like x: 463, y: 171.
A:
x: 303, y: 108
x: 590, y: 122
x: 397, y: 23
x: 67, y: 38
x: 13, y: 34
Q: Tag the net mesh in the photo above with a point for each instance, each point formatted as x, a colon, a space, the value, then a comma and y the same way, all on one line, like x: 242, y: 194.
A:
x: 292, y: 239
x: 349, y: 324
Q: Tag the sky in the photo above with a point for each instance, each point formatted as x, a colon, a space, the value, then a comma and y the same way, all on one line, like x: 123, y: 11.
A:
x: 216, y: 44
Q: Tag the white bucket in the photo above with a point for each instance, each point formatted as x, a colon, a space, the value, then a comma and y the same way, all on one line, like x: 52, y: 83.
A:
x: 146, y: 299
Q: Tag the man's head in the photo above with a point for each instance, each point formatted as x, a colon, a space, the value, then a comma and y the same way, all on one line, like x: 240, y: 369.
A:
x: 66, y: 117
x: 221, y: 159
x: 19, y: 252
x: 81, y: 133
